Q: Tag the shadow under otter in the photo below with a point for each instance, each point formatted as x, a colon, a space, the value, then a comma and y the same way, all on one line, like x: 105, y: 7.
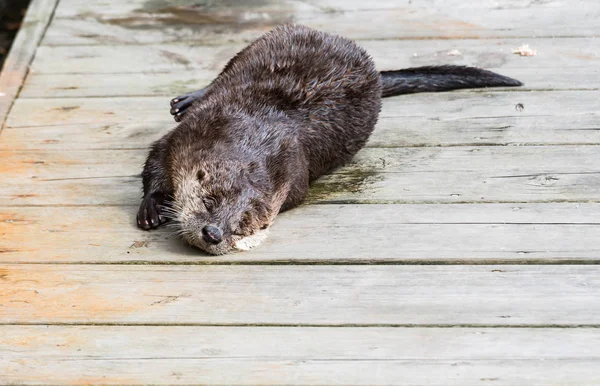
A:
x: 290, y: 107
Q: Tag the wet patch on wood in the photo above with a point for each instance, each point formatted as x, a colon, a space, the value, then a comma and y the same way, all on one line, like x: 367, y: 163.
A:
x: 218, y: 17
x: 356, y: 179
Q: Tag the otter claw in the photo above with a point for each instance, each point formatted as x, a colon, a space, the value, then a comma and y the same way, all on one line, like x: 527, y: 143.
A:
x: 180, y: 104
x: 149, y: 215
x: 175, y: 100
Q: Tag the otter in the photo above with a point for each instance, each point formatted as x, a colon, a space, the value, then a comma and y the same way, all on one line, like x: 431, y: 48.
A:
x: 290, y: 107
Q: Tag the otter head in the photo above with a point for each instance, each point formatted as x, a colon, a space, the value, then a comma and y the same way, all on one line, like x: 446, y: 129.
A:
x: 223, y: 207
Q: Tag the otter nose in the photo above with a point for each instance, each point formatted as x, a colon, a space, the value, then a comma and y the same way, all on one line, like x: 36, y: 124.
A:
x: 211, y: 234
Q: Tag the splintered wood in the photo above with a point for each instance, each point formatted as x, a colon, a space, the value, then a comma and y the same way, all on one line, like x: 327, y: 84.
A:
x: 525, y: 50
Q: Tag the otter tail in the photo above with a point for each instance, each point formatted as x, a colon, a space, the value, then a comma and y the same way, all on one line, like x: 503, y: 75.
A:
x: 440, y: 78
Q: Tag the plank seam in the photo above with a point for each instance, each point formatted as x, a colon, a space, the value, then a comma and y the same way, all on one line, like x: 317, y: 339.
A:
x: 339, y: 202
x: 483, y: 90
x: 341, y: 262
x: 443, y: 145
x: 309, y: 325
x: 162, y: 94
x: 207, y: 43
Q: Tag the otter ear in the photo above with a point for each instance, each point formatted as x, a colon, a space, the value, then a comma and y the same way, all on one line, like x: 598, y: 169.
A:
x: 202, y: 175
x: 277, y: 163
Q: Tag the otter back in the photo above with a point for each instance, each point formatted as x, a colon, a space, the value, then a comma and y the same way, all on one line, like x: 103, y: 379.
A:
x: 326, y: 84
x: 288, y: 108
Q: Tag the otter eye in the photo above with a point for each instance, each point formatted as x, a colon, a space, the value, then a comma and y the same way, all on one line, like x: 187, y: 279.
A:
x: 201, y: 175
x: 209, y: 203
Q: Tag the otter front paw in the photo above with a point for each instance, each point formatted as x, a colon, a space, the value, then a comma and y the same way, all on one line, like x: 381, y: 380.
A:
x: 180, y: 104
x: 150, y: 215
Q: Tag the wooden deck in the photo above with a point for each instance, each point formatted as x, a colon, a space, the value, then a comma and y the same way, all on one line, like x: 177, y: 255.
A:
x: 461, y: 247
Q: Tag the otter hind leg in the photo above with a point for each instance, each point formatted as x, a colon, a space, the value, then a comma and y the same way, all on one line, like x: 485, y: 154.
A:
x: 180, y: 104
x: 150, y: 215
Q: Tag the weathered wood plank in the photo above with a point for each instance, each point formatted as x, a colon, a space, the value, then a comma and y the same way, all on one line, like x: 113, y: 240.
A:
x: 58, y: 153
x: 143, y: 22
x: 478, y: 130
x: 539, y: 233
x: 401, y: 175
x: 75, y: 8
x: 275, y: 295
x: 23, y: 49
x: 443, y: 119
x: 110, y: 85
x: 431, y: 106
x: 123, y: 132
x: 190, y: 58
x: 171, y: 84
x: 241, y: 355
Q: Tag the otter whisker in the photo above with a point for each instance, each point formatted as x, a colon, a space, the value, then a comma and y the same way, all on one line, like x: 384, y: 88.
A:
x: 171, y: 215
x: 176, y: 233
x: 248, y: 149
x: 170, y: 205
x: 173, y: 225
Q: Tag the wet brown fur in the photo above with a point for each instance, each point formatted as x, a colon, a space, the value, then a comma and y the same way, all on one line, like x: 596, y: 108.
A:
x: 290, y: 107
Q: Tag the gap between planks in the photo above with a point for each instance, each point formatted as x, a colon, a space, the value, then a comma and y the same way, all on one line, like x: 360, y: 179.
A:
x: 592, y: 326
x: 340, y: 262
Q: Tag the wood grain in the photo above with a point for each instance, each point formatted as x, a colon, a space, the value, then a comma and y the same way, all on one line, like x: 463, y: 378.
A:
x: 431, y: 106
x: 299, y: 356
x: 282, y: 295
x: 188, y: 59
x: 444, y: 119
x: 475, y: 262
x: 171, y: 84
x: 17, y: 62
x: 142, y: 22
x: 323, y: 234
x: 376, y: 175
x: 122, y: 132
